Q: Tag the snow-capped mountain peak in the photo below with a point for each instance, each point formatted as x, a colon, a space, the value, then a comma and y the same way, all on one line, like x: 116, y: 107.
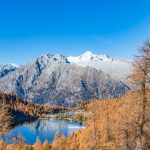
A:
x: 118, y: 68
x: 7, y: 68
x: 58, y: 57
x: 54, y: 57
x: 89, y: 56
x: 15, y: 65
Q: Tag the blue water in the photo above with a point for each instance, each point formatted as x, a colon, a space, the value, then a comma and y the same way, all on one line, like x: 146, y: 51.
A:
x: 43, y: 130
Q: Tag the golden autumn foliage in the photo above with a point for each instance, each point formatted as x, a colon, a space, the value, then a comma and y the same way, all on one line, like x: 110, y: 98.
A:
x: 110, y: 126
x: 140, y: 78
x: 14, y: 111
x: 5, y: 119
x: 16, y: 104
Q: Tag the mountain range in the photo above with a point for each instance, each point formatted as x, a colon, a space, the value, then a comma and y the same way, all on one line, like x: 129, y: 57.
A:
x: 118, y: 68
x: 59, y: 80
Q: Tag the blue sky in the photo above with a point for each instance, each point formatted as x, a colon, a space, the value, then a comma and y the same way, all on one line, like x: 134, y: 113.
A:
x: 29, y: 28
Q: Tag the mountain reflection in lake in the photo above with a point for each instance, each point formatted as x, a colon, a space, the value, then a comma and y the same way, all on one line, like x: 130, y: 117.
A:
x: 43, y: 130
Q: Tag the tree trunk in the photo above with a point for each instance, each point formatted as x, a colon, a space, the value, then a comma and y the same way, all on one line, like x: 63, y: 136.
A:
x: 140, y: 139
x: 140, y: 143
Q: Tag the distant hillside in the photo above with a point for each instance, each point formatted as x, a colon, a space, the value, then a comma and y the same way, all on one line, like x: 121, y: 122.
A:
x: 53, y: 80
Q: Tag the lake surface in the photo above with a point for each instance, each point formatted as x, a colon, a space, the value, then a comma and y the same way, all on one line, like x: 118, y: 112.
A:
x: 43, y: 130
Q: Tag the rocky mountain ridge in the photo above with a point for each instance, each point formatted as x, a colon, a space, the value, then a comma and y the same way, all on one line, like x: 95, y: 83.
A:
x: 52, y: 79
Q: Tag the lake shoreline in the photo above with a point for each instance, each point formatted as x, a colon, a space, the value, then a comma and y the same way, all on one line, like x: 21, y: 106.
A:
x: 45, y: 129
x: 67, y: 119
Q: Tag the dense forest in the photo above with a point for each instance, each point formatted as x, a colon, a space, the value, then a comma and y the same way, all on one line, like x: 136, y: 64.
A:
x: 111, y: 125
x: 14, y: 111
